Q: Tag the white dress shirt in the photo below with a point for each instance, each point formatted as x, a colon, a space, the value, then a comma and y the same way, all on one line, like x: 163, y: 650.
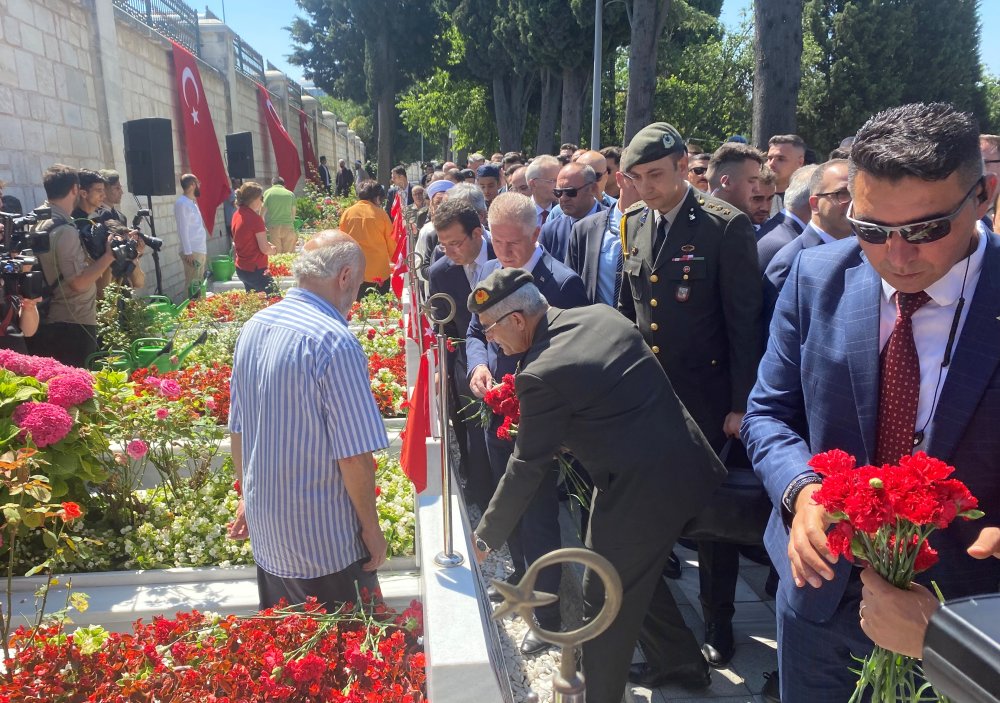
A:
x: 474, y: 270
x: 190, y: 226
x: 823, y: 236
x: 932, y: 325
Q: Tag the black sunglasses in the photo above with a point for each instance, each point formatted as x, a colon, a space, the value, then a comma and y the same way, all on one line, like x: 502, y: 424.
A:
x: 698, y: 170
x: 913, y: 233
x: 569, y: 192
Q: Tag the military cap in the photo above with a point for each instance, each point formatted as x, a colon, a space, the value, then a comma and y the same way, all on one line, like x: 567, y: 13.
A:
x: 497, y: 286
x: 488, y: 171
x: 651, y: 143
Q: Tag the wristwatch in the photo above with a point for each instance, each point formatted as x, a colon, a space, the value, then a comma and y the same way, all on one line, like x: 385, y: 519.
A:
x: 795, y: 487
x: 480, y: 543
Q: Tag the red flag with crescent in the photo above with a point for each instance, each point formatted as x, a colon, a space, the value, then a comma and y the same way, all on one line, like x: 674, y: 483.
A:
x: 204, y: 156
x: 308, y: 153
x: 285, y: 153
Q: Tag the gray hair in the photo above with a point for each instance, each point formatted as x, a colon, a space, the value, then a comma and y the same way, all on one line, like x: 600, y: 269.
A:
x: 797, y: 193
x: 326, y: 255
x: 538, y: 163
x: 516, y: 209
x: 527, y: 299
x: 468, y: 193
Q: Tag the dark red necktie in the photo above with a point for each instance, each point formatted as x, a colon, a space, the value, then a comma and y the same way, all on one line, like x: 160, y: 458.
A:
x: 899, y: 388
x: 545, y: 216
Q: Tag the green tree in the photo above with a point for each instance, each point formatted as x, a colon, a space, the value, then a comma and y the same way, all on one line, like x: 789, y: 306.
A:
x: 443, y: 103
x: 863, y: 56
x: 365, y: 50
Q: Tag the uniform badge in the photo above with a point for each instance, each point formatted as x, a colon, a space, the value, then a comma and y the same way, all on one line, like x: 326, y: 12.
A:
x: 635, y: 250
x: 687, y: 247
x: 682, y: 293
x: 691, y: 217
x: 668, y: 141
x: 482, y: 296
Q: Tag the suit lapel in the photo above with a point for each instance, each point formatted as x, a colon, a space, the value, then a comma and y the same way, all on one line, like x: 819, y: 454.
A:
x: 541, y: 273
x: 592, y: 265
x: 794, y: 225
x: 862, y: 298
x: 975, y: 360
x: 682, y: 230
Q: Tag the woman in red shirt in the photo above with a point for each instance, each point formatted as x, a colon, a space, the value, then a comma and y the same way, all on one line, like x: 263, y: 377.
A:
x: 250, y: 239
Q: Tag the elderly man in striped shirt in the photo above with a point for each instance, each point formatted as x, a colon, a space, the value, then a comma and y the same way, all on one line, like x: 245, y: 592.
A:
x: 304, y: 426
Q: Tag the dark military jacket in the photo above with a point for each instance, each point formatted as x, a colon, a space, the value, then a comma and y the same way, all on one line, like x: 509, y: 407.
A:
x: 698, y: 304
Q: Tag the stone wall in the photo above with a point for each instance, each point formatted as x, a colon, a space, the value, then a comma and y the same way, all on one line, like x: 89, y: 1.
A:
x: 72, y: 71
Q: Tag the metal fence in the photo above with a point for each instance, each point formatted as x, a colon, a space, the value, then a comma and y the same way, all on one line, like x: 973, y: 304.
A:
x: 294, y: 93
x: 248, y: 61
x: 171, y: 18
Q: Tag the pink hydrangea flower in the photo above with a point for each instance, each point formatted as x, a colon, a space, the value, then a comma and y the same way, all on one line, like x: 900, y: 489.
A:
x: 170, y: 389
x: 162, y: 413
x: 45, y: 423
x: 69, y: 389
x: 136, y: 449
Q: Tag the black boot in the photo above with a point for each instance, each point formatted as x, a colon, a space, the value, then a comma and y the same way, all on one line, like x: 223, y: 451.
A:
x: 719, y: 644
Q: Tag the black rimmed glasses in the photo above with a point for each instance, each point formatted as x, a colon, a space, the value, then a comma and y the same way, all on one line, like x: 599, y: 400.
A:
x: 842, y: 196
x: 922, y: 232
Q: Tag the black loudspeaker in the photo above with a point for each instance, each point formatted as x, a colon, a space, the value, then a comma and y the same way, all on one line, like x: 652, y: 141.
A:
x: 239, y: 155
x: 149, y: 157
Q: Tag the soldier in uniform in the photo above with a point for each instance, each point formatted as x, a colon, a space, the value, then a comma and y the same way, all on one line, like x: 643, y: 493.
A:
x: 693, y: 288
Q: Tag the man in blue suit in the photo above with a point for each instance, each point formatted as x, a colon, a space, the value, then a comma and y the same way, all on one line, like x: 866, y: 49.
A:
x: 789, y: 223
x: 922, y: 284
x: 829, y: 199
x: 576, y: 188
x: 514, y: 232
x: 466, y: 254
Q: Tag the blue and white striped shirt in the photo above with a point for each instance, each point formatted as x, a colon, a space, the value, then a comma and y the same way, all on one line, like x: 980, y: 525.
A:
x: 301, y: 397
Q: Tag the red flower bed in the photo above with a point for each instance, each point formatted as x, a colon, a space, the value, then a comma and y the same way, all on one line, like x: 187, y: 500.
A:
x: 279, y: 655
x: 206, y: 388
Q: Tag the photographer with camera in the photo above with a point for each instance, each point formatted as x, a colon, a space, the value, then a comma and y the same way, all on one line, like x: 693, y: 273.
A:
x: 109, y: 214
x: 69, y: 330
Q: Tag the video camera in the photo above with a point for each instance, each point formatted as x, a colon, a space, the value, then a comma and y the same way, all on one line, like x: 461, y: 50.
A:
x: 18, y: 266
x: 154, y: 243
x: 105, y: 231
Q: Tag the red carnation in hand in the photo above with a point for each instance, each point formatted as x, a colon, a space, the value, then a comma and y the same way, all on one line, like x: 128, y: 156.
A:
x: 833, y: 462
x: 839, y: 540
x: 926, y: 557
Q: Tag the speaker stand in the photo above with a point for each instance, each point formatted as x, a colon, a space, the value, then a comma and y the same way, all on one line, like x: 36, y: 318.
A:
x: 156, y: 254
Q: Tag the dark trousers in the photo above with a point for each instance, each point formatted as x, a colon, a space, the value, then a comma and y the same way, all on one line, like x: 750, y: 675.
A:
x: 648, y: 613
x: 66, y: 342
x: 537, y: 533
x: 475, y: 466
x: 815, y: 658
x: 331, y: 590
x: 718, y: 571
x: 258, y: 280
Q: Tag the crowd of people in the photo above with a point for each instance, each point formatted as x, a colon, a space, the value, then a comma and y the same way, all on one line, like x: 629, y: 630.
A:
x: 764, y: 286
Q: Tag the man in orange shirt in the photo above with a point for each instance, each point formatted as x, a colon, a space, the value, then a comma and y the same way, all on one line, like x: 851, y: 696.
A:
x: 367, y: 223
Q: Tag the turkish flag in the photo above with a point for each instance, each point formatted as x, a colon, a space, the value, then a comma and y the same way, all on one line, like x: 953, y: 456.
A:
x: 285, y: 152
x: 203, y: 152
x: 413, y: 455
x: 309, y: 154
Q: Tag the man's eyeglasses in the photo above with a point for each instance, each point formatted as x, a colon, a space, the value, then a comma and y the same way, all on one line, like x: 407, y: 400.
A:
x: 499, y: 320
x: 914, y: 233
x: 842, y: 196
x: 569, y: 192
x: 698, y: 170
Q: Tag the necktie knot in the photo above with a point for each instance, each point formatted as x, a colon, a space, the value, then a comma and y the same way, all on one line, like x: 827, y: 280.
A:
x: 909, y: 303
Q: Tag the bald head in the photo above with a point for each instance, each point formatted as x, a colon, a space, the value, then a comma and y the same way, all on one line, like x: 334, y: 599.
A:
x: 597, y: 161
x: 576, y: 188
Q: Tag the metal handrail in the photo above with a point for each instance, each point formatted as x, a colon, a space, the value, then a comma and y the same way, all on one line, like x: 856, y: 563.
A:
x: 248, y: 60
x: 174, y: 19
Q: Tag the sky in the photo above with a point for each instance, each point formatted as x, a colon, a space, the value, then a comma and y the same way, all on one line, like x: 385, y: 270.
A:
x: 261, y: 23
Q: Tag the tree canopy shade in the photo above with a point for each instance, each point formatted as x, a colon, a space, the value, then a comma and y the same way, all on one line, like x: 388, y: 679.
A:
x: 863, y: 56
x: 366, y: 50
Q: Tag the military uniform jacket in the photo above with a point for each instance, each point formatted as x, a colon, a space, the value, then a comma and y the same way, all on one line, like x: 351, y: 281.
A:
x: 697, y: 304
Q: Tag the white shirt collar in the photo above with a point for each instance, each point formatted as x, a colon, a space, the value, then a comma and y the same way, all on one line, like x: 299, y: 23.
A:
x: 794, y: 217
x: 535, y: 258
x: 946, y: 290
x: 826, y: 238
x: 483, y: 255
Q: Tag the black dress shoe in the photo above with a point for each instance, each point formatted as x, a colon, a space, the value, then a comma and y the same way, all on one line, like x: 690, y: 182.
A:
x: 533, y: 644
x: 694, y: 676
x: 771, y: 692
x: 673, y: 568
x: 719, y: 645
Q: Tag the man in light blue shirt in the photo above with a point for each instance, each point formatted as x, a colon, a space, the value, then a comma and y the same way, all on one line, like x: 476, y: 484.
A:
x: 304, y: 425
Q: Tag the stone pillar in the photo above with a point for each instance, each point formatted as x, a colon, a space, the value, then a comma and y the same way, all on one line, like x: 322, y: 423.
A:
x: 352, y: 147
x: 217, y: 51
x: 330, y: 121
x: 110, y: 88
x: 277, y: 84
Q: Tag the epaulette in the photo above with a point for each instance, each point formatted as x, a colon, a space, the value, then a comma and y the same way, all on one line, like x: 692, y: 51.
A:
x: 718, y: 207
x: 637, y: 208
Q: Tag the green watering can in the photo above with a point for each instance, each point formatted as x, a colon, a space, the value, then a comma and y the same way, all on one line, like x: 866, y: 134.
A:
x: 160, y: 309
x: 158, y: 353
x: 115, y: 359
x: 223, y: 267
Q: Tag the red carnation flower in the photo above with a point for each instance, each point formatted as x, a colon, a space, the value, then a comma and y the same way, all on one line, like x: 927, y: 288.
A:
x: 832, y: 462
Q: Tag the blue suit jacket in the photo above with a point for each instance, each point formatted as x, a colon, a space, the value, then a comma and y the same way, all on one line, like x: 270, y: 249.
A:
x: 560, y: 286
x: 781, y: 264
x: 445, y: 276
x: 817, y: 389
x: 773, y: 235
x: 556, y: 233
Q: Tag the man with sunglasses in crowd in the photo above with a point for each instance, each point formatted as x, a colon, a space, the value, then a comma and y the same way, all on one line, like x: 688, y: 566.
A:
x: 577, y: 191
x: 697, y: 174
x: 881, y: 345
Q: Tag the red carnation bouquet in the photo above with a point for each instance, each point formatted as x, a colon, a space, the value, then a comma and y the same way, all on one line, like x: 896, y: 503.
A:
x: 502, y: 400
x: 883, y: 517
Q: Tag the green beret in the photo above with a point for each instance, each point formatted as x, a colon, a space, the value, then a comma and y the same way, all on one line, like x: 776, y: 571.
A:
x: 651, y: 143
x: 497, y: 286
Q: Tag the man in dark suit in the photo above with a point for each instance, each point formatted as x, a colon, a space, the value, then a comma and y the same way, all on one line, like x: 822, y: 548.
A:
x: 576, y: 189
x: 467, y: 252
x: 881, y: 345
x: 587, y: 376
x: 829, y: 199
x: 789, y: 223
x: 400, y: 185
x: 324, y: 173
x: 694, y: 291
x: 514, y: 234
x: 595, y: 247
